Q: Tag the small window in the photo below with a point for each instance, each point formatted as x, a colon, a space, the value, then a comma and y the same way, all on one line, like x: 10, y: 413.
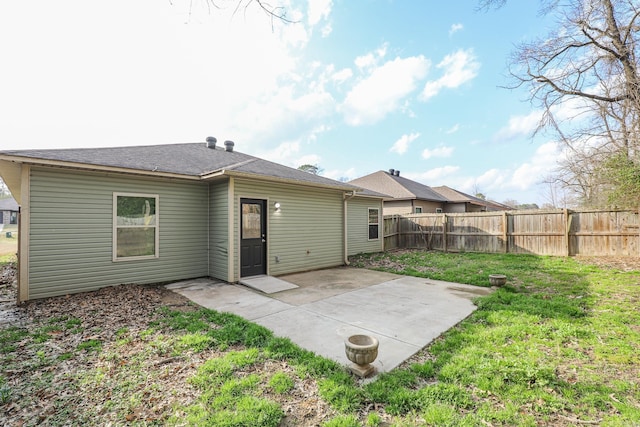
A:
x: 13, y: 218
x: 251, y: 221
x: 438, y: 210
x: 135, y: 226
x: 374, y: 224
x: 418, y: 209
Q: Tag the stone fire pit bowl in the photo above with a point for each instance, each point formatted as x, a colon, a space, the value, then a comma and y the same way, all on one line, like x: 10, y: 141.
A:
x: 497, y: 279
x: 362, y: 350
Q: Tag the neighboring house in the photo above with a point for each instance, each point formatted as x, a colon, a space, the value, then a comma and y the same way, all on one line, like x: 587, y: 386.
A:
x: 404, y: 196
x: 99, y: 217
x: 462, y: 202
x: 8, y: 211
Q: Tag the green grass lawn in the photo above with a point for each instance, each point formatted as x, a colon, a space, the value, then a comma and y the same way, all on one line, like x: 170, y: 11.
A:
x: 558, y: 345
x: 8, y: 245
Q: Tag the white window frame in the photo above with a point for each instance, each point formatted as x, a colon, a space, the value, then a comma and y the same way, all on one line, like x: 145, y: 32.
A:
x: 438, y: 210
x: 156, y: 226
x: 369, y: 224
x: 418, y: 209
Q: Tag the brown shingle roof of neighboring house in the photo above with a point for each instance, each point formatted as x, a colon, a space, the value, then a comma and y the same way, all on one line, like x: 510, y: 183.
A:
x: 397, y: 187
x: 456, y: 196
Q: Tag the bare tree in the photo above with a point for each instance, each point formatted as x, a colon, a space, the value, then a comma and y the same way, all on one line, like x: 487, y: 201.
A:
x: 584, y: 76
x: 274, y: 12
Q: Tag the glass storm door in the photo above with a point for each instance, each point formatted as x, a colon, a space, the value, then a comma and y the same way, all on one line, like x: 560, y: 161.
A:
x: 253, y: 237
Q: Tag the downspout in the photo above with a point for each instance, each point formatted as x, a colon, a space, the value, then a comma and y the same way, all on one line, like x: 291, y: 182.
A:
x: 345, y: 199
x: 209, y: 229
x: 24, y: 224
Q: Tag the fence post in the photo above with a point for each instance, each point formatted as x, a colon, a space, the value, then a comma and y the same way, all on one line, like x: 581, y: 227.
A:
x: 505, y: 231
x: 567, y: 227
x: 444, y: 232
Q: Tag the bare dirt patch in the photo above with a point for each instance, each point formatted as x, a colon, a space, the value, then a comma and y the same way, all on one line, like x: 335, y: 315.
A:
x: 627, y: 263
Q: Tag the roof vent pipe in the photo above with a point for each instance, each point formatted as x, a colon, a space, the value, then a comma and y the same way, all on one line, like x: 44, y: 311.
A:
x: 228, y: 146
x: 397, y: 173
x: 211, y: 142
x: 391, y: 171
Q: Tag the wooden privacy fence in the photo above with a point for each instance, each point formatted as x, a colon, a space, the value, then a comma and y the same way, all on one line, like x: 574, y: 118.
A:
x: 543, y: 232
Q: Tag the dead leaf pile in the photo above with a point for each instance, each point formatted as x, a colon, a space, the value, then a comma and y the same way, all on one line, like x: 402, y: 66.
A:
x: 75, y: 374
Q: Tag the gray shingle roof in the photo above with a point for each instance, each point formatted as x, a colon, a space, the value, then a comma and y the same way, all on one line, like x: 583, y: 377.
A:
x: 8, y: 204
x: 190, y: 159
x: 397, y: 187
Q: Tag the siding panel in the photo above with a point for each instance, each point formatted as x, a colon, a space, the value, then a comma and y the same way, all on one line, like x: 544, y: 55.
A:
x: 71, y: 225
x: 306, y: 234
x: 358, y: 226
x: 219, y: 230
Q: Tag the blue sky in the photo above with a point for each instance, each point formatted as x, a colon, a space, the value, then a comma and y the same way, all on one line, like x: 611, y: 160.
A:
x: 354, y: 86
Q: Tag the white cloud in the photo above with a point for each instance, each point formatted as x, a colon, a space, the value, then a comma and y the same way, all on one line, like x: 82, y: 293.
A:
x: 441, y: 151
x: 326, y: 30
x: 532, y: 172
x: 433, y: 175
x: 309, y: 159
x: 519, y: 126
x: 453, y: 129
x: 371, y: 59
x: 319, y: 10
x: 168, y: 83
x: 489, y: 180
x: 342, y: 75
x: 337, y: 174
x: 455, y: 28
x: 383, y: 90
x: 285, y: 153
x: 283, y: 108
x: 402, y: 144
x: 512, y: 183
x: 459, y: 68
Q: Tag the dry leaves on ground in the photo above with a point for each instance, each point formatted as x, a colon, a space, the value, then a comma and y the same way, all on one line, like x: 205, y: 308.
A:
x: 75, y: 371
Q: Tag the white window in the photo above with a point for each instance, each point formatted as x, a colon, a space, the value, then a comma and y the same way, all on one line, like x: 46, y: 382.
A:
x: 135, y: 226
x: 374, y: 224
x: 438, y: 210
x: 418, y: 209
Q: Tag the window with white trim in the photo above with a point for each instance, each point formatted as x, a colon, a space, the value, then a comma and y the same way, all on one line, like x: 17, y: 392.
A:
x: 418, y: 209
x: 374, y: 224
x: 135, y: 226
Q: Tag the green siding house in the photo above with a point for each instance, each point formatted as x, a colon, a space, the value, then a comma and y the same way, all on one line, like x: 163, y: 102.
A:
x: 97, y: 217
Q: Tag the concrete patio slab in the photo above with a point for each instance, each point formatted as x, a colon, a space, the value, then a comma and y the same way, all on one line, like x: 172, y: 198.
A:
x: 325, y: 336
x: 224, y: 297
x: 404, y: 313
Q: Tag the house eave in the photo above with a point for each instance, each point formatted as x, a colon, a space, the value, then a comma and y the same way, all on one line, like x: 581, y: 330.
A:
x: 275, y: 179
x: 92, y: 167
x: 404, y: 199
